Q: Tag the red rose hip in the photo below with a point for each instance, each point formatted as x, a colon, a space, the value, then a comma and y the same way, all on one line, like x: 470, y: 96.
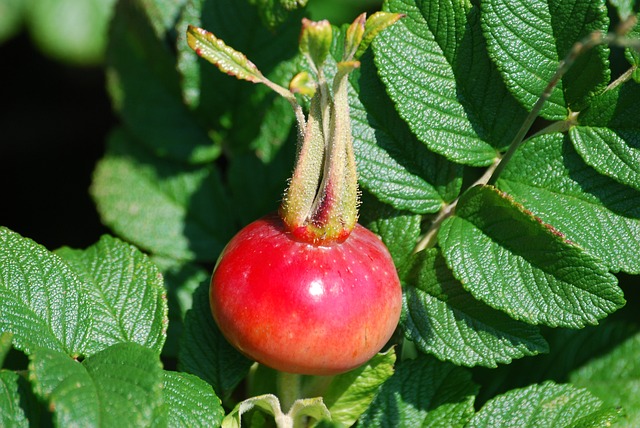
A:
x: 304, y: 308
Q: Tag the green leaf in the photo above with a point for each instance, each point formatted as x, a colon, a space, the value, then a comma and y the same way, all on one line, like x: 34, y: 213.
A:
x: 255, y: 187
x: 11, y: 16
x: 511, y: 260
x: 547, y: 404
x: 127, y: 291
x: 275, y: 12
x: 349, y: 394
x: 527, y: 39
x: 43, y: 301
x: 569, y: 349
x: 633, y: 55
x: 6, y: 338
x: 162, y: 15
x: 11, y: 414
x: 190, y: 401
x: 145, y: 88
x: 392, y: 164
x: 240, y: 116
x: 315, y: 41
x: 169, y: 209
x: 205, y: 352
x: 444, y: 320
x: 615, y: 378
x: 180, y: 280
x: 435, y: 67
x: 423, y: 392
x: 69, y: 30
x: 374, y: 25
x: 227, y: 59
x: 608, y: 134
x: 600, y: 215
x: 399, y: 230
x: 122, y: 384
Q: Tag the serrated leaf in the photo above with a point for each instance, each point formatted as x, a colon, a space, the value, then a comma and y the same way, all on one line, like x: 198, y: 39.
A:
x: 127, y: 291
x: 633, y: 55
x: 163, y: 15
x: 608, y: 134
x: 6, y: 338
x: 600, y: 215
x: 163, y: 207
x: 392, y: 164
x: 443, y: 83
x: 547, y: 404
x: 423, y: 392
x: 190, y: 401
x: 399, y: 230
x: 227, y: 59
x: 121, y: 383
x: 444, y: 320
x: 145, y: 88
x: 569, y: 349
x: 256, y: 187
x: 349, y: 394
x: 528, y: 38
x: 509, y: 259
x: 11, y: 414
x: 615, y: 378
x: 43, y: 301
x: 240, y: 116
x: 180, y: 280
x: 374, y: 25
x: 205, y: 352
x: 275, y: 12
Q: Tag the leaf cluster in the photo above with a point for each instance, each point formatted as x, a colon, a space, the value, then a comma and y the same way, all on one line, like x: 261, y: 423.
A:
x: 497, y: 146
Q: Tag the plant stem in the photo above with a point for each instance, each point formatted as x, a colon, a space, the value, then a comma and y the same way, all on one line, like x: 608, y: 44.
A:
x: 592, y: 40
x: 289, y: 389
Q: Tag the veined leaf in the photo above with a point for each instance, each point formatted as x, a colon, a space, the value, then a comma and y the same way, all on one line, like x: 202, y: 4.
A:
x: 547, y: 404
x: 392, y: 164
x: 126, y: 288
x: 423, y: 392
x: 349, y: 394
x: 608, y: 134
x: 42, y: 301
x: 227, y: 59
x: 145, y: 88
x: 434, y: 65
x: 444, y: 320
x: 163, y: 207
x: 240, y: 116
x: 11, y: 414
x: 205, y: 352
x: 121, y: 383
x: 600, y: 215
x: 399, y: 230
x: 275, y: 12
x: 190, y: 401
x: 512, y: 261
x: 528, y: 38
x: 615, y: 378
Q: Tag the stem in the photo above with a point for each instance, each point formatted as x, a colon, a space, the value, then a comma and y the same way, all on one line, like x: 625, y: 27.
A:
x: 592, y: 40
x: 289, y: 389
x: 429, y: 239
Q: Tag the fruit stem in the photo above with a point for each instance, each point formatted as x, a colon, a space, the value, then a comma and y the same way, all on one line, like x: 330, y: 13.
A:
x: 289, y: 387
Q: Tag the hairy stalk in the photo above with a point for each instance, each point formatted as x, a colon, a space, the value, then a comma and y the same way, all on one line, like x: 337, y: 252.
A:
x: 289, y: 389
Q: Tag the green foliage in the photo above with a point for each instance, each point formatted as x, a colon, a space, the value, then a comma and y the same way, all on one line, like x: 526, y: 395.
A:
x: 514, y: 238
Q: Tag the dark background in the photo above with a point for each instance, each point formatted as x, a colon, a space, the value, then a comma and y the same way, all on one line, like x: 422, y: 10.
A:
x: 53, y: 124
